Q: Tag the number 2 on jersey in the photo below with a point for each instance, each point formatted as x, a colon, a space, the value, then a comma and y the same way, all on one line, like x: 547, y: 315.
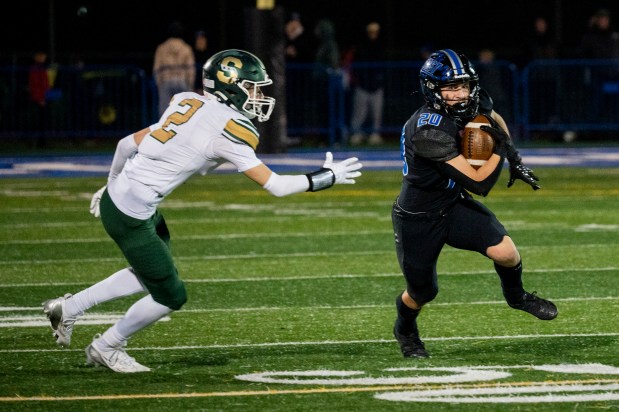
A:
x: 177, y: 118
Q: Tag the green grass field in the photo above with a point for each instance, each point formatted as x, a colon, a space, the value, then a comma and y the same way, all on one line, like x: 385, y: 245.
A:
x: 291, y: 302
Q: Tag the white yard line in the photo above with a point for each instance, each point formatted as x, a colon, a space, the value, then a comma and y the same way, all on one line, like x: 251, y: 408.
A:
x: 332, y: 342
x: 250, y: 278
x: 555, y: 248
x: 14, y: 309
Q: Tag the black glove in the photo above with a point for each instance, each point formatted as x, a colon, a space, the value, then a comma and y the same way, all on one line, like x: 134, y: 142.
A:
x: 500, y: 137
x: 519, y: 171
x: 511, y: 153
x: 516, y: 169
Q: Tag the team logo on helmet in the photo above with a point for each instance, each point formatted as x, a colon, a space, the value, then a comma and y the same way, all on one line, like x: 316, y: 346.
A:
x: 228, y: 70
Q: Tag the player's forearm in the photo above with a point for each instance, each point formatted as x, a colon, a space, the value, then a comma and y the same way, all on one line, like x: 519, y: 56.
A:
x: 479, y: 187
x: 125, y: 148
x: 284, y: 185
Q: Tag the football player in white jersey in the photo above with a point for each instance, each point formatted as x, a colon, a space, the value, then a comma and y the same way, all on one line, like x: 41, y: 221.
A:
x: 196, y: 134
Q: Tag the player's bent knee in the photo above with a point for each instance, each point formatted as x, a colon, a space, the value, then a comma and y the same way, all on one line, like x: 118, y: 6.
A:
x: 174, y: 297
x: 421, y: 296
x: 505, y: 258
x: 505, y: 253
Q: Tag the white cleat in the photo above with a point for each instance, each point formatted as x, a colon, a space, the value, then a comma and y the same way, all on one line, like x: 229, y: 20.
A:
x: 62, y: 325
x: 114, y: 358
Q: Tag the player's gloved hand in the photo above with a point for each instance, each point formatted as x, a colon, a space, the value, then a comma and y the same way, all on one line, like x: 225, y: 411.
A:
x: 500, y: 137
x: 511, y: 153
x: 331, y: 173
x: 94, y: 202
x: 345, y: 171
x: 516, y: 169
x: 519, y: 171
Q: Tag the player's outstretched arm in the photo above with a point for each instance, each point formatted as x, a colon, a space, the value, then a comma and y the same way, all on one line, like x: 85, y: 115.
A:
x: 331, y: 173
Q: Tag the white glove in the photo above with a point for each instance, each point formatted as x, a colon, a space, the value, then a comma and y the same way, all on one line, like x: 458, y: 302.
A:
x: 345, y: 171
x: 94, y: 203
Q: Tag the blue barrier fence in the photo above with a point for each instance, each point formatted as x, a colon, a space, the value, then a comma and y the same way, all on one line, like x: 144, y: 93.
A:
x: 112, y: 101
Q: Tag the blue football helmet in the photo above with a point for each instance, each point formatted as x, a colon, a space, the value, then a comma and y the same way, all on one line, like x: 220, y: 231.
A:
x: 445, y: 67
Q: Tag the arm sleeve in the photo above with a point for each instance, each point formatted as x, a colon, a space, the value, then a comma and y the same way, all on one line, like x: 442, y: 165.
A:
x: 284, y: 185
x: 125, y: 148
x: 435, y: 145
x: 479, y: 188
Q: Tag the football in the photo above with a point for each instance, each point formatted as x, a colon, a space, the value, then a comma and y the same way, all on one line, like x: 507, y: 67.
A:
x: 476, y: 145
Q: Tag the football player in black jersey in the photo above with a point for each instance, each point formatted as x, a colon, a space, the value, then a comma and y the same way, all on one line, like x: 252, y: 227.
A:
x: 434, y: 206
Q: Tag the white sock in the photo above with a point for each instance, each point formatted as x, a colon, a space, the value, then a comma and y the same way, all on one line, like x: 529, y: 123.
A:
x: 122, y: 283
x: 141, y: 314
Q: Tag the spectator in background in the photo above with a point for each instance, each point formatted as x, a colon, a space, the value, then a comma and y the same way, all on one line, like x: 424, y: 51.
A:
x: 545, y: 80
x: 298, y: 49
x: 201, y: 55
x: 368, y: 82
x: 542, y: 44
x: 174, y: 67
x: 327, y: 52
x: 38, y: 86
x: 326, y: 64
x: 600, y: 42
x: 490, y: 73
x: 298, y: 45
x: 38, y: 82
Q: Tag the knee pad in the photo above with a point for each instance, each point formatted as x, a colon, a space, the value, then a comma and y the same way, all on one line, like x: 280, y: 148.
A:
x: 173, y: 295
x: 178, y: 297
x: 424, y: 294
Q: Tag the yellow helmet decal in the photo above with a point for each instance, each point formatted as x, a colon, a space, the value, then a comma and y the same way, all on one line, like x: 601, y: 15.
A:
x: 227, y: 69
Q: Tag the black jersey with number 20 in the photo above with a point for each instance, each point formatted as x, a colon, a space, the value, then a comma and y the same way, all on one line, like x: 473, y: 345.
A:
x: 430, y: 137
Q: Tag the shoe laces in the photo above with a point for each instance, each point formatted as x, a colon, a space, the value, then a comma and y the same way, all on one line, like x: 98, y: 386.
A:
x: 530, y: 296
x: 411, y: 340
x: 118, y: 355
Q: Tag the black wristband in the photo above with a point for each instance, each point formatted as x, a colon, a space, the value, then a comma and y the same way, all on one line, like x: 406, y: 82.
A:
x: 320, y: 179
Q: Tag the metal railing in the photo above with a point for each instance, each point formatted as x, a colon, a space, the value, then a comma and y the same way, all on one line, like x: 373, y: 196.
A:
x: 112, y: 101
x: 94, y: 101
x: 576, y: 95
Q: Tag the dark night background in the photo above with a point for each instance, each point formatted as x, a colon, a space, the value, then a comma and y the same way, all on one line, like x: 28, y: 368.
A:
x: 127, y: 32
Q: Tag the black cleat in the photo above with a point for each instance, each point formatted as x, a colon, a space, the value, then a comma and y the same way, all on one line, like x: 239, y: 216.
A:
x: 411, y: 346
x: 541, y: 308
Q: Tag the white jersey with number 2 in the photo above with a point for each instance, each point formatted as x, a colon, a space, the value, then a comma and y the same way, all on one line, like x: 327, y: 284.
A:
x: 195, y: 134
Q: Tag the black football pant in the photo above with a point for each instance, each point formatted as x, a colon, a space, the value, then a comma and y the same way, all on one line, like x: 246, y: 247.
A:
x: 420, y: 237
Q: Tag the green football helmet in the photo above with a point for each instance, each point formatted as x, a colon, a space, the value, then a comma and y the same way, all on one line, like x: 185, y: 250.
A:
x: 236, y: 77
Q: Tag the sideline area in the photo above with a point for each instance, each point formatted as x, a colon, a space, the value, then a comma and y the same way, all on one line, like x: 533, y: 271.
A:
x: 297, y: 162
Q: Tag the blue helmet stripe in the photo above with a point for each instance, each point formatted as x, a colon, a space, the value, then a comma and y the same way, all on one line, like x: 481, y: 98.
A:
x: 456, y: 63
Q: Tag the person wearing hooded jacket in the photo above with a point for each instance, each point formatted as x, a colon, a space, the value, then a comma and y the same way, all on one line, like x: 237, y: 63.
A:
x: 174, y: 67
